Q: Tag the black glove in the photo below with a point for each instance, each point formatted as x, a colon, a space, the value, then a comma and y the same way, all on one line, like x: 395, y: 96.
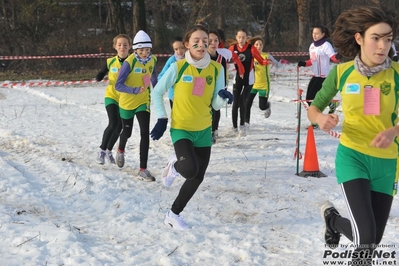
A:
x: 225, y: 94
x: 395, y: 58
x: 159, y: 128
x: 338, y: 56
x: 301, y: 63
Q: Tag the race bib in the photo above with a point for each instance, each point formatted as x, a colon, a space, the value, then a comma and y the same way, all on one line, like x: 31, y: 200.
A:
x: 371, y: 101
x: 199, y: 86
x: 146, y: 80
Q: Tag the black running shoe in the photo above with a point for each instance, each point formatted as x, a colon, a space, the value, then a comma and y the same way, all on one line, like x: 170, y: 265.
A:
x: 331, y: 237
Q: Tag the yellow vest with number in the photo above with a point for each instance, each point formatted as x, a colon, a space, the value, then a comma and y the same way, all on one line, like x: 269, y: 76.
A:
x: 359, y: 129
x: 129, y: 101
x: 192, y: 109
x: 262, y: 74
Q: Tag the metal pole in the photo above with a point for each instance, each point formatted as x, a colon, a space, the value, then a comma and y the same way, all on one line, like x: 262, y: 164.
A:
x: 299, y: 108
x: 299, y: 131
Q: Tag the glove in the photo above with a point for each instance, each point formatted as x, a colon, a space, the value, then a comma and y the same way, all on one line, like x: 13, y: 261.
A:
x: 338, y: 56
x: 395, y: 58
x: 159, y: 128
x: 301, y: 63
x: 283, y: 61
x: 225, y: 94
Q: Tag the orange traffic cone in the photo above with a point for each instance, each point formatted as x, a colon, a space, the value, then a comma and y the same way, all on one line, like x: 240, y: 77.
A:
x: 311, y: 162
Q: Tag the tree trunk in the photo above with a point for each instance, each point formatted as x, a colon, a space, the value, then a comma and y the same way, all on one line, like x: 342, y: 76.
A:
x: 119, y: 21
x: 99, y: 11
x: 115, y: 17
x: 7, y: 31
x: 220, y: 15
x: 139, y: 16
x: 266, y: 20
x: 159, y: 24
x: 302, y: 9
x: 196, y: 11
x: 326, y: 13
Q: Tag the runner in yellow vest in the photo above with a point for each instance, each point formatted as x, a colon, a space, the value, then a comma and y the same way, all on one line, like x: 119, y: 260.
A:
x: 122, y: 44
x: 134, y: 85
x: 199, y: 86
x: 367, y: 156
x: 262, y: 80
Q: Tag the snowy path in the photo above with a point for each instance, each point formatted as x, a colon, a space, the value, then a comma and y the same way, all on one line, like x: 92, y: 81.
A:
x: 58, y: 207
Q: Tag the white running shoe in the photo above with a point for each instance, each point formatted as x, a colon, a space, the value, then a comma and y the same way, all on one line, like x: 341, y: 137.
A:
x: 242, y: 132
x: 169, y: 173
x: 268, y: 110
x: 101, y: 157
x: 110, y: 158
x: 175, y: 221
x: 145, y: 175
x: 247, y: 128
x: 120, y: 159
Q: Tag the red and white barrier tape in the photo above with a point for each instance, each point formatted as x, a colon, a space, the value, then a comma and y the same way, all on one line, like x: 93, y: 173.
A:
x: 335, y: 134
x: 25, y: 57
x: 306, y: 70
x: 48, y: 83
x: 289, y: 53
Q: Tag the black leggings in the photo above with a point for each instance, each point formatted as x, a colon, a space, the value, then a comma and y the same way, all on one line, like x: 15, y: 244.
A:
x: 112, y: 131
x: 240, y: 93
x: 215, y: 119
x: 192, y: 164
x: 127, y: 125
x: 369, y: 211
x: 314, y: 86
x: 248, y: 105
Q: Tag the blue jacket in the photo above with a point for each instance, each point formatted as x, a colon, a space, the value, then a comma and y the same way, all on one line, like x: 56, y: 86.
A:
x: 168, y: 63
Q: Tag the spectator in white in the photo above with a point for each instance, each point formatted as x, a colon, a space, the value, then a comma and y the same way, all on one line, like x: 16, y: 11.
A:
x: 222, y: 50
x: 320, y: 52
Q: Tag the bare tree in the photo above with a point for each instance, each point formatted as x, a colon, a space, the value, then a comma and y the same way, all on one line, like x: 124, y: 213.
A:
x: 266, y: 22
x: 302, y: 9
x: 9, y: 17
x: 160, y: 27
x: 42, y: 27
x: 139, y: 16
x: 320, y: 13
x: 115, y: 17
x: 221, y: 17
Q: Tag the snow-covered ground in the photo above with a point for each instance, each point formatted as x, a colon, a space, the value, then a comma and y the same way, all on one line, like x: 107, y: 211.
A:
x: 59, y: 207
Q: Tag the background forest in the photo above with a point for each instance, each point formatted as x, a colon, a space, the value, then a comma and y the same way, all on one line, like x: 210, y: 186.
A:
x: 67, y: 27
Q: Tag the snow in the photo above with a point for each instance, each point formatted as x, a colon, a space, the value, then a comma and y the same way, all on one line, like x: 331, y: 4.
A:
x: 59, y: 207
